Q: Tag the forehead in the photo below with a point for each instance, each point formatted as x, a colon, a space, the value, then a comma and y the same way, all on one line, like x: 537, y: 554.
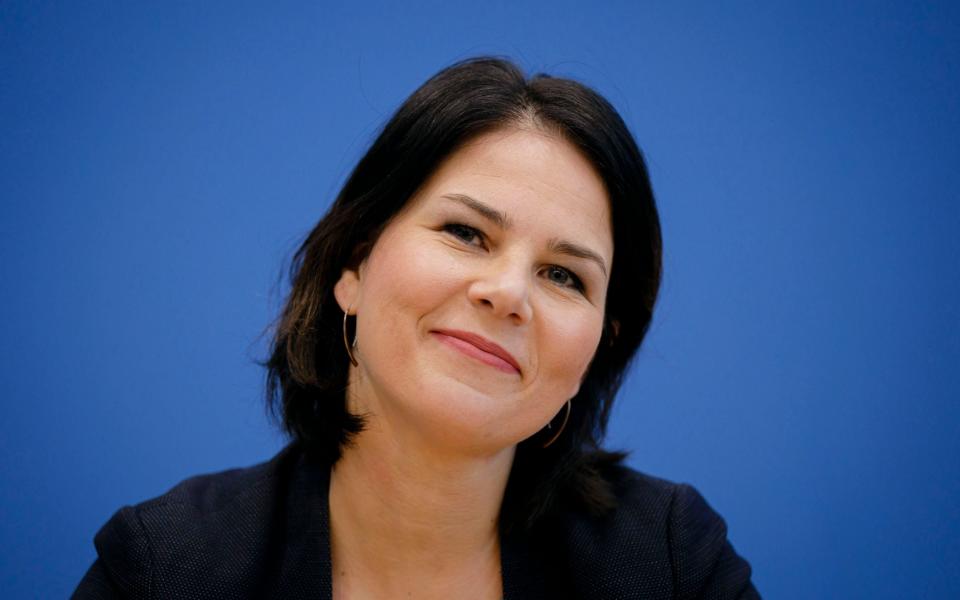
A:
x: 538, y: 179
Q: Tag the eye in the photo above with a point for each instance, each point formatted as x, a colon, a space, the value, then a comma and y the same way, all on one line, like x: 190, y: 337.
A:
x: 563, y: 277
x: 464, y: 233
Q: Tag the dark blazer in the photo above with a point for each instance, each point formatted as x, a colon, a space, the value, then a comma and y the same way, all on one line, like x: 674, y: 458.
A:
x: 263, y: 532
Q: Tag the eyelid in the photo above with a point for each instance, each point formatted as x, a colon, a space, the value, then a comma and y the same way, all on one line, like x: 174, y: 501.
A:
x: 449, y: 225
x: 576, y: 282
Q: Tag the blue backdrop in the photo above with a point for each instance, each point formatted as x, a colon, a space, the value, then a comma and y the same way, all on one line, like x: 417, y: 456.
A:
x: 159, y: 161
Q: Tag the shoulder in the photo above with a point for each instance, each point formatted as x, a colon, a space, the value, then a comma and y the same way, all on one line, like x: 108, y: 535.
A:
x: 662, y: 540
x: 204, y: 496
x: 205, y: 501
x: 204, y: 525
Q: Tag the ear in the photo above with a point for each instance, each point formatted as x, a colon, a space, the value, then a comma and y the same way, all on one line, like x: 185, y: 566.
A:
x: 347, y: 290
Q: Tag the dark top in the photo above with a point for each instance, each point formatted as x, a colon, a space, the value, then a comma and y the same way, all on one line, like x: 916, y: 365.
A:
x: 263, y: 532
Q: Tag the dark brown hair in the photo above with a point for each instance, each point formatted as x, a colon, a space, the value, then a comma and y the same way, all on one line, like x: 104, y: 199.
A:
x: 308, y: 365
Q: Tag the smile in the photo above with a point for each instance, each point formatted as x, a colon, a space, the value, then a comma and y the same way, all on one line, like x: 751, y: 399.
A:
x: 479, y: 348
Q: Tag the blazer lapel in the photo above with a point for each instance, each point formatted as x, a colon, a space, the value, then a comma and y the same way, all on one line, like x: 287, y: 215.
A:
x: 306, y: 570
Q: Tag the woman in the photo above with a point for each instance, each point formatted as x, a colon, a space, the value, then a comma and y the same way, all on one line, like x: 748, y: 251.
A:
x: 458, y: 326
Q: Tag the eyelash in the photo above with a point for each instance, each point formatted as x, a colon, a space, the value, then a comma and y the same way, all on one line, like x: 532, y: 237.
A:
x: 455, y: 229
x: 458, y: 230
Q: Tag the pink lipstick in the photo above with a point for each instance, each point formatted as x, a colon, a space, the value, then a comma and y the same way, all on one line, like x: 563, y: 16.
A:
x: 480, y: 348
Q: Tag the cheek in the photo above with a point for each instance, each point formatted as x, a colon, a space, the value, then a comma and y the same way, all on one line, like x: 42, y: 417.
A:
x: 570, y: 345
x: 402, y: 282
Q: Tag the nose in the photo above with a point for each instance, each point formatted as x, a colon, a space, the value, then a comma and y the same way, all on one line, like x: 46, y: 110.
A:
x: 503, y: 289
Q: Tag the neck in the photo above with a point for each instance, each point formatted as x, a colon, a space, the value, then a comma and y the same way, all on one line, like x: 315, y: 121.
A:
x: 403, y: 515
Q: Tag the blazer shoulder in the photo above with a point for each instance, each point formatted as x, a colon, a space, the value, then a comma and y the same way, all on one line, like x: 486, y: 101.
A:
x: 705, y: 564
x: 662, y: 540
x: 209, y: 505
x: 193, y: 529
x: 211, y: 492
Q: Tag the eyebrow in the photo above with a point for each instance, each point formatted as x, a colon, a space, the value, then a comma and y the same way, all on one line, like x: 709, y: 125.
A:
x: 500, y: 220
x: 577, y: 251
x: 491, y: 214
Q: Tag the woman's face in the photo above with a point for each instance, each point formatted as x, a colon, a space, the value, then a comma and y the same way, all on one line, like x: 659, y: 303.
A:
x: 481, y: 304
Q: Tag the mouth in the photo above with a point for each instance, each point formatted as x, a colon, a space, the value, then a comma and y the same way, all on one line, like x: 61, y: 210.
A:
x: 479, y: 348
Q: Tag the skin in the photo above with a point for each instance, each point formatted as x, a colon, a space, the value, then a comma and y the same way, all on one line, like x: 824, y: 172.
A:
x: 415, y: 500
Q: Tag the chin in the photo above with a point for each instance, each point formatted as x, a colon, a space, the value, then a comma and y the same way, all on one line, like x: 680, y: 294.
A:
x: 471, y: 418
x: 460, y: 414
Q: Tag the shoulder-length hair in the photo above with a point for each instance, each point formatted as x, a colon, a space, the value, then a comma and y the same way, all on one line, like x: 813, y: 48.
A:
x: 308, y: 364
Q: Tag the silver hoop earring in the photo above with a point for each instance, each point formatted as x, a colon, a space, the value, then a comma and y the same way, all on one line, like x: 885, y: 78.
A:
x: 346, y: 339
x: 566, y: 417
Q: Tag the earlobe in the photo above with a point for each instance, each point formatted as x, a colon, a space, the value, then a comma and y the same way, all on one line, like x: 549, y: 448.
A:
x: 347, y: 290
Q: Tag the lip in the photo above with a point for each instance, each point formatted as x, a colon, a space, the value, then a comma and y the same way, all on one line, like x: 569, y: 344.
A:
x: 480, y: 348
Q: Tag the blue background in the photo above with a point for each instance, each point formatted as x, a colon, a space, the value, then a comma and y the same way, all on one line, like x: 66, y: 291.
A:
x: 159, y: 161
